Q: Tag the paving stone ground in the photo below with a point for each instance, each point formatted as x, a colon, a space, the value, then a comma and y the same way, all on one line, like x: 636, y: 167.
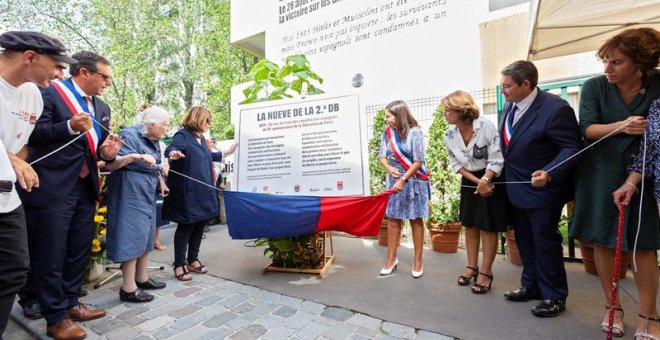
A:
x: 209, y: 307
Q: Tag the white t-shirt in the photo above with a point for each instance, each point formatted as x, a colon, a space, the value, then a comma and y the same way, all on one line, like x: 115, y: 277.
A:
x: 20, y: 107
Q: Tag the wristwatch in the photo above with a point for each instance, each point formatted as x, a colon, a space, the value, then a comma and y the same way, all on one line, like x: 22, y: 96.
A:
x: 404, y: 178
x: 486, y: 178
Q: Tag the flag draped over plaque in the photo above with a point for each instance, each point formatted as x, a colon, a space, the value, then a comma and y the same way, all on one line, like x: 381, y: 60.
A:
x: 254, y: 215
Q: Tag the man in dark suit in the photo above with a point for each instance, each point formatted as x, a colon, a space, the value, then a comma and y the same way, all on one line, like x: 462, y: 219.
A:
x: 60, y: 214
x: 538, y: 132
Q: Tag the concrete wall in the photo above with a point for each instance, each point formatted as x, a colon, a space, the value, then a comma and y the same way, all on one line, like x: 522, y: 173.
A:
x: 403, y: 49
x: 441, y: 45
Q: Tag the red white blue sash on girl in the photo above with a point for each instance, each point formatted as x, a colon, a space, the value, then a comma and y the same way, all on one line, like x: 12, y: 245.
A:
x: 404, y: 158
x: 76, y: 104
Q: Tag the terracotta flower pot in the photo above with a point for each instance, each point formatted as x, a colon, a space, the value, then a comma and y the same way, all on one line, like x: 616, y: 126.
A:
x: 382, y: 234
x: 444, y: 237
x: 587, y: 250
x: 512, y: 252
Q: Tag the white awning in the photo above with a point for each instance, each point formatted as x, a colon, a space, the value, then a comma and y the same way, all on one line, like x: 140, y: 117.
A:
x: 562, y: 27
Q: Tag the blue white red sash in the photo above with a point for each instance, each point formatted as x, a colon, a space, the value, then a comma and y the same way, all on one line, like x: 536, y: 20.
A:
x: 404, y: 158
x: 76, y: 104
x: 507, y: 131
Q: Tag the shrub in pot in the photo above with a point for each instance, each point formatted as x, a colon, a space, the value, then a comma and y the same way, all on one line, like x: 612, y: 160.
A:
x: 377, y: 173
x: 443, y: 222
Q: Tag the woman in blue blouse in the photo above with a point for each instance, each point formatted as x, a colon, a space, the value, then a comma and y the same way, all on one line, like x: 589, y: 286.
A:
x: 402, y: 155
x: 651, y: 165
x: 131, y: 196
x: 190, y: 203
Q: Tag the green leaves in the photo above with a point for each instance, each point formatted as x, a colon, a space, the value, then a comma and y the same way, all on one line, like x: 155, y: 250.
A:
x: 377, y: 173
x: 270, y: 82
x: 297, y: 252
x: 170, y: 53
x: 445, y: 183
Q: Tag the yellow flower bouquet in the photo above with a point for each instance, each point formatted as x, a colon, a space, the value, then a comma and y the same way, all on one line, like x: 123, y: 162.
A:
x: 97, y: 249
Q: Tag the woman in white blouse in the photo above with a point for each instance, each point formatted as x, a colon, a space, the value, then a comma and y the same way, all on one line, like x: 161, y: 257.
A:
x: 474, y: 152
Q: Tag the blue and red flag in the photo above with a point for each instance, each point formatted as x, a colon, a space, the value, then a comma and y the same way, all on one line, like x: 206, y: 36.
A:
x: 254, y: 215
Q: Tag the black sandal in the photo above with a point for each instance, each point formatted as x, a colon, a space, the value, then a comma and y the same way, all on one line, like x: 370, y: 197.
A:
x: 201, y: 269
x: 182, y: 276
x: 464, y: 280
x: 643, y: 335
x: 481, y: 289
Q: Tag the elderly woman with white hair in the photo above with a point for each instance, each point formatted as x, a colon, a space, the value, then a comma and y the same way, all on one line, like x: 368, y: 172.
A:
x: 132, y: 191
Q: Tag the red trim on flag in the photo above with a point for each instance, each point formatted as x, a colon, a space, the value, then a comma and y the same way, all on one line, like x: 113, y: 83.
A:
x: 356, y: 215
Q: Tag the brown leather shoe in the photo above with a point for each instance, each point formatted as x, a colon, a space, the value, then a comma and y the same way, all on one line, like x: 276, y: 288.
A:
x: 80, y: 312
x: 66, y: 330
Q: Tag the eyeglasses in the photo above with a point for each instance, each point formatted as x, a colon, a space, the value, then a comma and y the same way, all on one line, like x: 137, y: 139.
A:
x: 104, y: 76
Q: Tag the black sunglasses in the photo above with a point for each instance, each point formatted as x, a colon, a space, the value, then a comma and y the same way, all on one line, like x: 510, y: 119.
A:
x: 104, y: 76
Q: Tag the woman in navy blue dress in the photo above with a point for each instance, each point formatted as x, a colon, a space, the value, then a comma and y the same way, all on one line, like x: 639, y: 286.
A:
x: 190, y: 203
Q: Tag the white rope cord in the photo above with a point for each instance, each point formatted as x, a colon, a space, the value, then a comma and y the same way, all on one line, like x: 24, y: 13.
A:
x: 160, y: 167
x: 73, y: 140
x: 641, y: 201
x: 196, y: 180
x: 56, y: 150
x: 567, y: 159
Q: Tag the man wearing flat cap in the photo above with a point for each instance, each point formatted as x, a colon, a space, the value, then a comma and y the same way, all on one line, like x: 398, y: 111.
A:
x: 26, y: 59
x: 60, y: 214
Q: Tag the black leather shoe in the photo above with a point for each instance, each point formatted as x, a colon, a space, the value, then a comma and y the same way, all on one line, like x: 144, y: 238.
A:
x: 31, y: 309
x: 549, y: 308
x: 136, y: 296
x: 150, y: 284
x: 523, y: 294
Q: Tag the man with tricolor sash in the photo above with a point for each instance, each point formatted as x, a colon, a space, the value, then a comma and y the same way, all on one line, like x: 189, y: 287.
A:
x: 72, y: 135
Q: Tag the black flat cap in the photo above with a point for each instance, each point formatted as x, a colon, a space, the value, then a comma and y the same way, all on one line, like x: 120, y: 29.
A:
x: 35, y: 41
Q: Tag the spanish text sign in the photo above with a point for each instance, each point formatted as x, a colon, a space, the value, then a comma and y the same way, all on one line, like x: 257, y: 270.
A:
x: 303, y: 147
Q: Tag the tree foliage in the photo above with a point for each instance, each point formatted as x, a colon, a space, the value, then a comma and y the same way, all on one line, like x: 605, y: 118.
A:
x: 171, y: 53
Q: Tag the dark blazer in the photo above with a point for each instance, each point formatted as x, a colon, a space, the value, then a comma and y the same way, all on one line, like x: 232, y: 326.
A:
x: 58, y: 173
x: 545, y: 136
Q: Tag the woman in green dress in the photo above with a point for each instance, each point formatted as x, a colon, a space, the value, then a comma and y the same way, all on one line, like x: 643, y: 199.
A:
x: 617, y: 103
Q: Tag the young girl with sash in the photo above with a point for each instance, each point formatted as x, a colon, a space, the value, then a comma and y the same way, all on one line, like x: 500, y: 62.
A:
x: 402, y: 155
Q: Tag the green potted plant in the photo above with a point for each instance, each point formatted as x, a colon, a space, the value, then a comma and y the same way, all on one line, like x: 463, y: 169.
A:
x: 305, y: 252
x: 377, y: 173
x: 443, y: 222
x: 270, y: 82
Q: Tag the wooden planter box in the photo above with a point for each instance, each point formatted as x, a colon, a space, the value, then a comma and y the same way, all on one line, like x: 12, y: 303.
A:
x: 329, y: 258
